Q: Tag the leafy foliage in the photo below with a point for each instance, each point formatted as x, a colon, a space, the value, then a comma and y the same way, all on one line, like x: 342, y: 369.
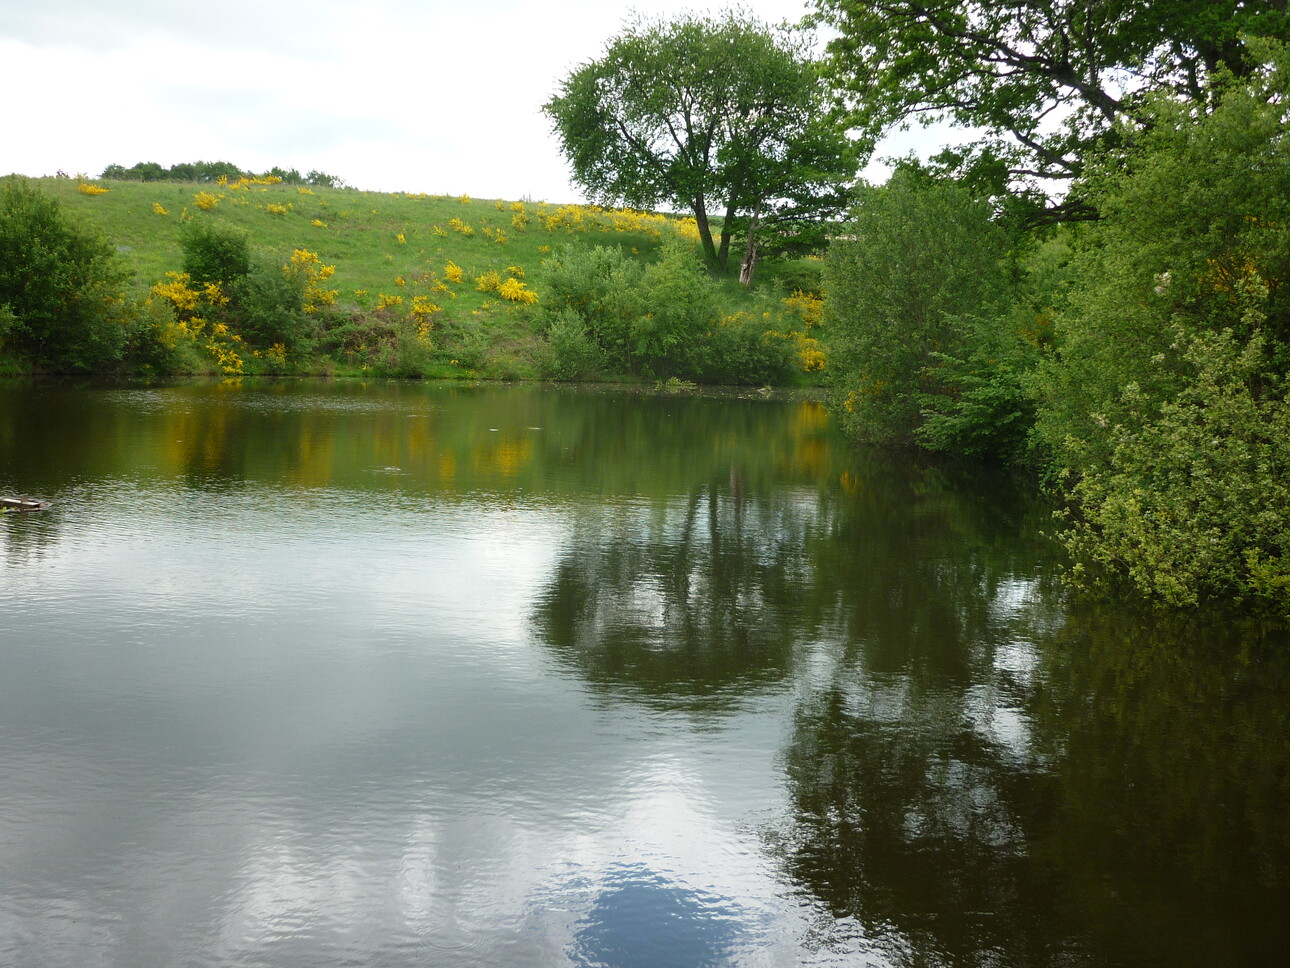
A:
x: 210, y: 171
x: 63, y: 285
x: 214, y: 252
x: 267, y: 306
x: 1046, y: 81
x: 1193, y: 501
x: 1195, y: 233
x: 607, y: 311
x: 915, y: 292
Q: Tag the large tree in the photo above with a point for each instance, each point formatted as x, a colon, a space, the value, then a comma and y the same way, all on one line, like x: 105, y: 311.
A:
x: 706, y: 113
x: 1045, y: 80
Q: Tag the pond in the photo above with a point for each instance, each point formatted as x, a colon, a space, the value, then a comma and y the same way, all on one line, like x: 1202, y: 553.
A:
x: 330, y: 673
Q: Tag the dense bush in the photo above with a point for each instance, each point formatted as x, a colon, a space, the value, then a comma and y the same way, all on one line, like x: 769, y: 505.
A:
x: 1194, y: 500
x: 1195, y: 232
x: 1166, y: 396
x: 918, y: 311
x: 609, y: 314
x: 63, y: 285
x: 575, y: 354
x: 214, y: 252
x: 266, y: 307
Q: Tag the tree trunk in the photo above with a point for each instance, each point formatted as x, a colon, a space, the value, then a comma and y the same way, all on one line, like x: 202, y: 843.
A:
x: 749, y: 264
x: 700, y: 210
x: 727, y: 228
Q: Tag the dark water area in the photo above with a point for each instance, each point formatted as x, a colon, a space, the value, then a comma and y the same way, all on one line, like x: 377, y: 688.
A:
x: 322, y: 674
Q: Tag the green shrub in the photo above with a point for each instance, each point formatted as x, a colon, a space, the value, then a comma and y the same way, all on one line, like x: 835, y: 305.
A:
x: 63, y: 285
x: 658, y: 320
x: 913, y: 291
x: 214, y: 252
x: 1195, y: 231
x: 796, y: 275
x: 739, y: 350
x: 266, y: 307
x: 8, y: 322
x: 1194, y: 502
x: 602, y: 286
x: 575, y: 355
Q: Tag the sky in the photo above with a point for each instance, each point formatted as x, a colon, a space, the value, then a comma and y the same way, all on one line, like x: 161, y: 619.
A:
x: 388, y: 95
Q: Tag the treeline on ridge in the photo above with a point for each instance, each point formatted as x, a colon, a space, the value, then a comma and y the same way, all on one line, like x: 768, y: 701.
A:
x: 213, y: 171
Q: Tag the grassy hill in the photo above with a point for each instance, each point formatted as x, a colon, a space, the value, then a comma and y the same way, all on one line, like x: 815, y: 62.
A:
x: 470, y: 276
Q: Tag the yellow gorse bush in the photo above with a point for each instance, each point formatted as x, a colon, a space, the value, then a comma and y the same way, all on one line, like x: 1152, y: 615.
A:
x: 806, y: 306
x: 159, y: 209
x: 422, y: 310
x: 490, y: 281
x: 452, y: 272
x: 306, y: 265
x: 515, y: 291
x: 217, y: 342
x: 206, y: 201
x: 177, y: 292
x: 85, y: 188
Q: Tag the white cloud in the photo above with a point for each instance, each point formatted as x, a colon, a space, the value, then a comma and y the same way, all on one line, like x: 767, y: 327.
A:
x: 389, y: 95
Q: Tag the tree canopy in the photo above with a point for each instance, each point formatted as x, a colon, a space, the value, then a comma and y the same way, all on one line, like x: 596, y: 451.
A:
x: 1045, y: 80
x: 704, y: 113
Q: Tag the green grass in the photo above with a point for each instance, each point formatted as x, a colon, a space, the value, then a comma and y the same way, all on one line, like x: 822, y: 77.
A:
x: 359, y: 235
x: 385, y: 247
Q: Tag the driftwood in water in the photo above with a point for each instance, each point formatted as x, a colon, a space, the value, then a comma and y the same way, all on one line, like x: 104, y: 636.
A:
x: 22, y: 504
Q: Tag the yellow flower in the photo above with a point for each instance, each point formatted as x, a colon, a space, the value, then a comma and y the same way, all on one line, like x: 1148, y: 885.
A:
x: 452, y: 272
x: 319, y: 223
x: 515, y: 291
x: 808, y: 306
x: 159, y: 209
x: 206, y: 201
x: 422, y: 306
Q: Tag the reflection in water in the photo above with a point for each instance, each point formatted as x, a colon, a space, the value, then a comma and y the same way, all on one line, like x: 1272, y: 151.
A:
x: 642, y: 919
x: 690, y: 603
x: 1121, y: 802
x: 298, y: 673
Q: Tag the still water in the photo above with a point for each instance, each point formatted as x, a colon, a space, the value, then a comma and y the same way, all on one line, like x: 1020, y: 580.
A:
x: 310, y: 674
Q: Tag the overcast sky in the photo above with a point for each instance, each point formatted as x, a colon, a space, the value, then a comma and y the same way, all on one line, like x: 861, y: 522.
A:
x: 390, y: 95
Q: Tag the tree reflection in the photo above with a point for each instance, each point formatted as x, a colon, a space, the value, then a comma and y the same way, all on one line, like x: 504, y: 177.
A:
x: 693, y: 603
x: 1117, y: 799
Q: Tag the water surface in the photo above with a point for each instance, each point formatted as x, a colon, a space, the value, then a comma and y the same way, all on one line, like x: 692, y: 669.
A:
x: 310, y: 674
